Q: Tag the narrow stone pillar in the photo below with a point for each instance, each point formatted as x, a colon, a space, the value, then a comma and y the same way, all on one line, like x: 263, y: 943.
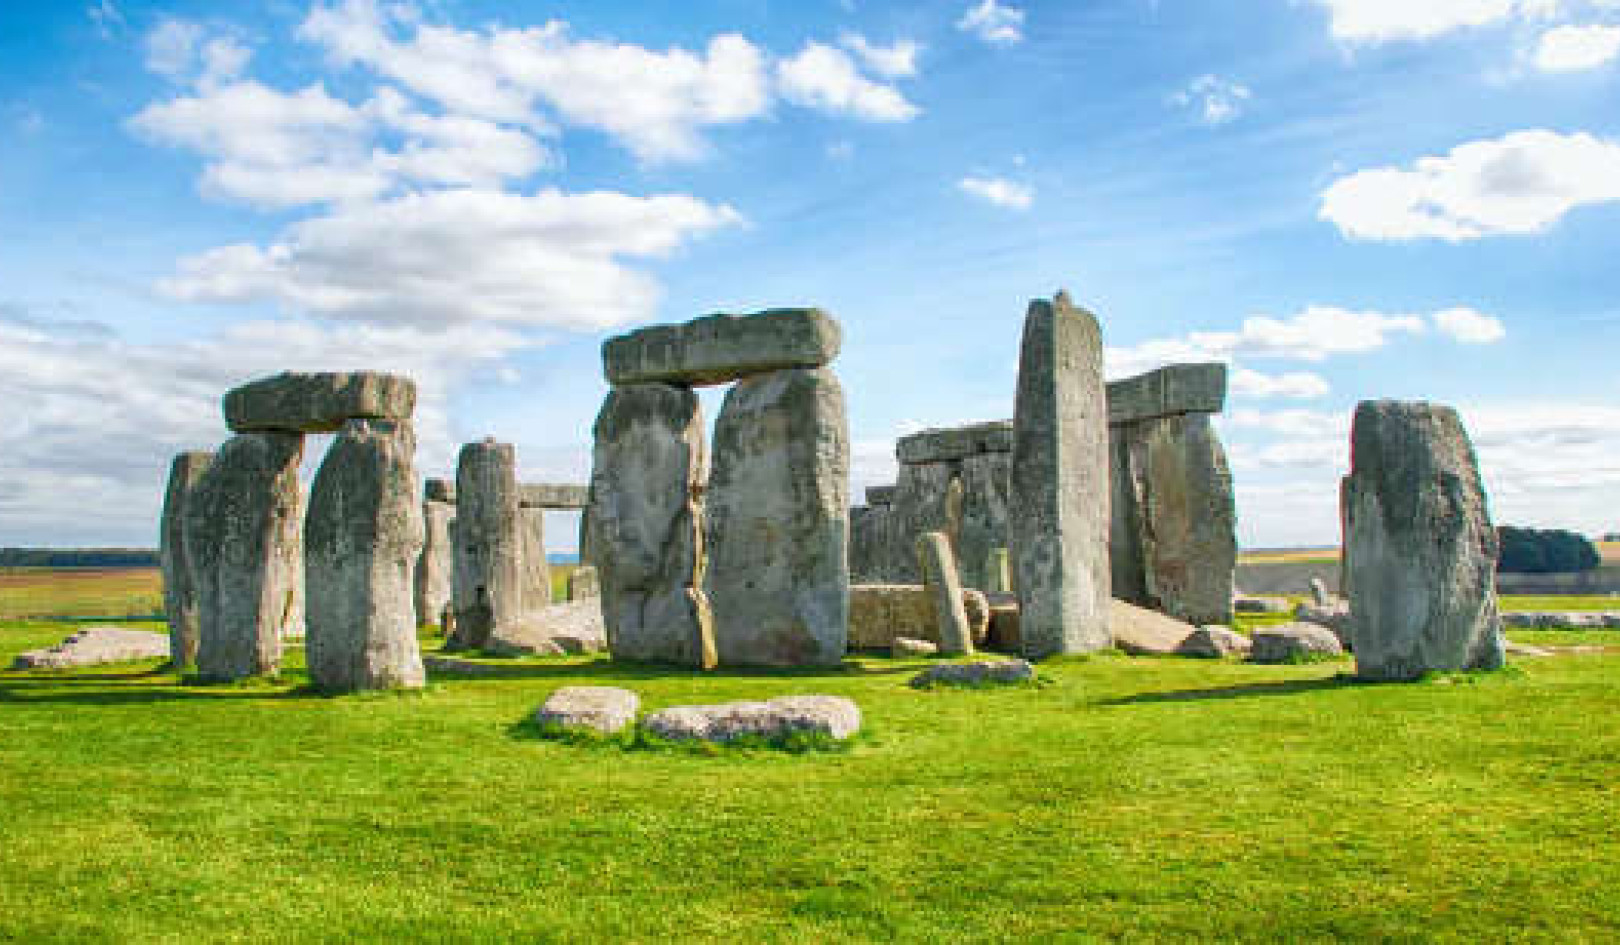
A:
x: 1420, y: 550
x: 999, y: 568
x: 362, y: 538
x: 536, y: 569
x: 922, y: 503
x: 1058, y: 513
x: 242, y: 539
x: 487, y: 588
x: 179, y: 585
x: 646, y: 535
x: 778, y: 521
x: 938, y: 565
x: 435, y: 567
x: 986, y: 479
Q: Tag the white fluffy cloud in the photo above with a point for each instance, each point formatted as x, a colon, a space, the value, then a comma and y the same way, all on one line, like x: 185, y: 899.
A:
x: 993, y: 22
x: 1295, y: 385
x: 1216, y: 100
x: 1315, y: 334
x: 826, y: 79
x: 1523, y: 182
x: 894, y: 62
x: 550, y: 259
x: 1572, y: 48
x: 1469, y: 326
x: 1375, y: 21
x: 999, y: 191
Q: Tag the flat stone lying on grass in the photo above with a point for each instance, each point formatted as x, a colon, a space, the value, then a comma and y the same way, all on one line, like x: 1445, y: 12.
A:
x: 1562, y: 620
x: 1143, y: 632
x: 979, y: 673
x: 1262, y: 605
x: 906, y: 647
x: 557, y: 630
x: 1291, y: 641
x: 606, y: 709
x: 833, y: 716
x: 92, y: 646
x: 1214, y: 642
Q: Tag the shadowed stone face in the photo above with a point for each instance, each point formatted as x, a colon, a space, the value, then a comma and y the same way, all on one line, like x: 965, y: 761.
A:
x: 179, y: 584
x: 435, y: 567
x: 488, y: 585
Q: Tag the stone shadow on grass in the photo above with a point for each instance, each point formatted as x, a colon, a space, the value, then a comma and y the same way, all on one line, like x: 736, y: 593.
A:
x: 1287, y: 687
x: 626, y: 670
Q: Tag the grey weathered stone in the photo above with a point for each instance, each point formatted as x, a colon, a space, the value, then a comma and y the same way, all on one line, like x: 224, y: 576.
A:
x: 778, y: 521
x: 1058, y: 518
x: 833, y: 716
x: 908, y: 648
x: 998, y: 572
x: 583, y: 584
x: 1420, y: 550
x: 878, y: 613
x: 954, y: 443
x: 1335, y: 616
x: 716, y: 349
x: 363, y: 535
x: 487, y: 587
x: 982, y: 527
x: 1173, y: 533
x: 870, y: 539
x: 1214, y: 642
x: 318, y: 402
x: 179, y: 586
x: 1319, y: 593
x: 938, y: 564
x: 550, y: 495
x: 1253, y: 604
x: 554, y: 630
x: 536, y: 569
x: 923, y: 502
x: 92, y: 646
x: 605, y: 709
x: 880, y: 495
x: 1177, y: 389
x: 1291, y: 641
x: 439, y: 490
x: 646, y: 525
x: 435, y: 568
x: 1143, y: 632
x: 978, y: 673
x: 242, y: 538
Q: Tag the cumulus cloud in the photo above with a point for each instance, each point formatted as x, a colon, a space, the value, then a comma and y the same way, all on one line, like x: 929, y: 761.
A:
x: 1469, y: 326
x: 550, y: 259
x: 999, y: 191
x: 184, y: 51
x: 1296, y: 385
x: 825, y: 79
x: 1216, y: 100
x: 1377, y: 21
x: 894, y: 62
x: 993, y: 22
x: 1315, y: 334
x: 1523, y: 182
x: 1572, y: 48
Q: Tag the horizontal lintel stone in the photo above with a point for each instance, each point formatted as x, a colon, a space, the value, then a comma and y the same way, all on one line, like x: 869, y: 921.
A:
x: 953, y: 443
x: 716, y: 349
x: 1176, y: 389
x: 547, y: 495
x: 320, y: 402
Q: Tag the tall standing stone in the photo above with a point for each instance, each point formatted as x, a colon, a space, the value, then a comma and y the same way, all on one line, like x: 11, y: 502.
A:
x: 242, y: 540
x: 986, y: 483
x: 938, y: 565
x: 778, y: 521
x: 435, y: 567
x: 922, y: 503
x: 536, y: 569
x: 1420, y: 550
x: 362, y: 538
x: 646, y: 536
x: 487, y: 589
x: 1059, y: 519
x: 179, y: 585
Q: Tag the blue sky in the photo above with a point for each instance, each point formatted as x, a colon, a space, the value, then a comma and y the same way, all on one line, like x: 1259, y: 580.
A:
x: 1343, y: 198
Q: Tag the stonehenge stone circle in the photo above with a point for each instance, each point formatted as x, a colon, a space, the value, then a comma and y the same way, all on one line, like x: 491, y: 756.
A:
x: 242, y: 541
x: 536, y: 569
x: 318, y: 403
x: 548, y: 495
x: 363, y: 536
x: 1419, y: 548
x: 1168, y: 392
x: 179, y: 584
x: 434, y: 569
x: 720, y: 348
x: 939, y: 576
x: 646, y: 526
x: 1059, y: 505
x: 777, y: 526
x: 487, y: 587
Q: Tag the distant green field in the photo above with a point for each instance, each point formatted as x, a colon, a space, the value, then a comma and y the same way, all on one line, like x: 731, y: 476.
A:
x: 82, y: 592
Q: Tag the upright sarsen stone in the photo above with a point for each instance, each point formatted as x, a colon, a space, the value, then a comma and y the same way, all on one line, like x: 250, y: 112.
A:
x: 1059, y: 504
x: 646, y: 537
x: 363, y: 535
x: 778, y: 521
x: 435, y: 567
x: 242, y: 539
x: 179, y: 586
x: 487, y: 590
x: 536, y: 569
x: 1420, y: 550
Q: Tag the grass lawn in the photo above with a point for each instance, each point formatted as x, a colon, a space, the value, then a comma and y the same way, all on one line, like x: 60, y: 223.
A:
x: 1571, y: 602
x: 80, y: 592
x: 1150, y: 799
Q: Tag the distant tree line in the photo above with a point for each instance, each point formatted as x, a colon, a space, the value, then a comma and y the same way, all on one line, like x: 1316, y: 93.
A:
x: 1545, y: 551
x: 78, y: 558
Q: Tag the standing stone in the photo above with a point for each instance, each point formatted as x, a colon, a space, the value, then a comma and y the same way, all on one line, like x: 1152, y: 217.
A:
x: 922, y: 503
x: 536, y: 569
x: 242, y: 540
x: 1059, y: 520
x: 870, y: 538
x: 362, y: 538
x: 179, y: 586
x: 778, y: 521
x: 646, y: 525
x: 1420, y: 550
x: 939, y: 575
x: 487, y: 589
x: 986, y: 480
x: 435, y: 567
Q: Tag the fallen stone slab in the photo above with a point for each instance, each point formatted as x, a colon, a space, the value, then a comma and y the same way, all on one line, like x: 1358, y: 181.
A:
x: 833, y: 716
x: 1142, y: 632
x: 979, y: 673
x: 1293, y: 641
x: 948, y: 444
x: 908, y: 648
x: 318, y: 402
x: 604, y: 709
x: 1215, y: 642
x: 1262, y: 605
x: 570, y: 629
x: 717, y: 349
x: 1335, y: 615
x: 93, y: 646
x: 1177, y: 389
x: 549, y: 495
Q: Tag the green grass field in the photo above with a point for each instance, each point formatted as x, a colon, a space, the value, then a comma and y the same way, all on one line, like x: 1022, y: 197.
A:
x: 1127, y: 798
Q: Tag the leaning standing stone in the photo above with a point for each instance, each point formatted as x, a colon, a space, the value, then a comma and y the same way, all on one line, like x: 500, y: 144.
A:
x: 179, y: 586
x: 778, y: 522
x: 487, y: 590
x: 362, y: 538
x: 1059, y: 504
x: 940, y: 577
x: 242, y: 539
x: 646, y: 527
x: 1420, y: 551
